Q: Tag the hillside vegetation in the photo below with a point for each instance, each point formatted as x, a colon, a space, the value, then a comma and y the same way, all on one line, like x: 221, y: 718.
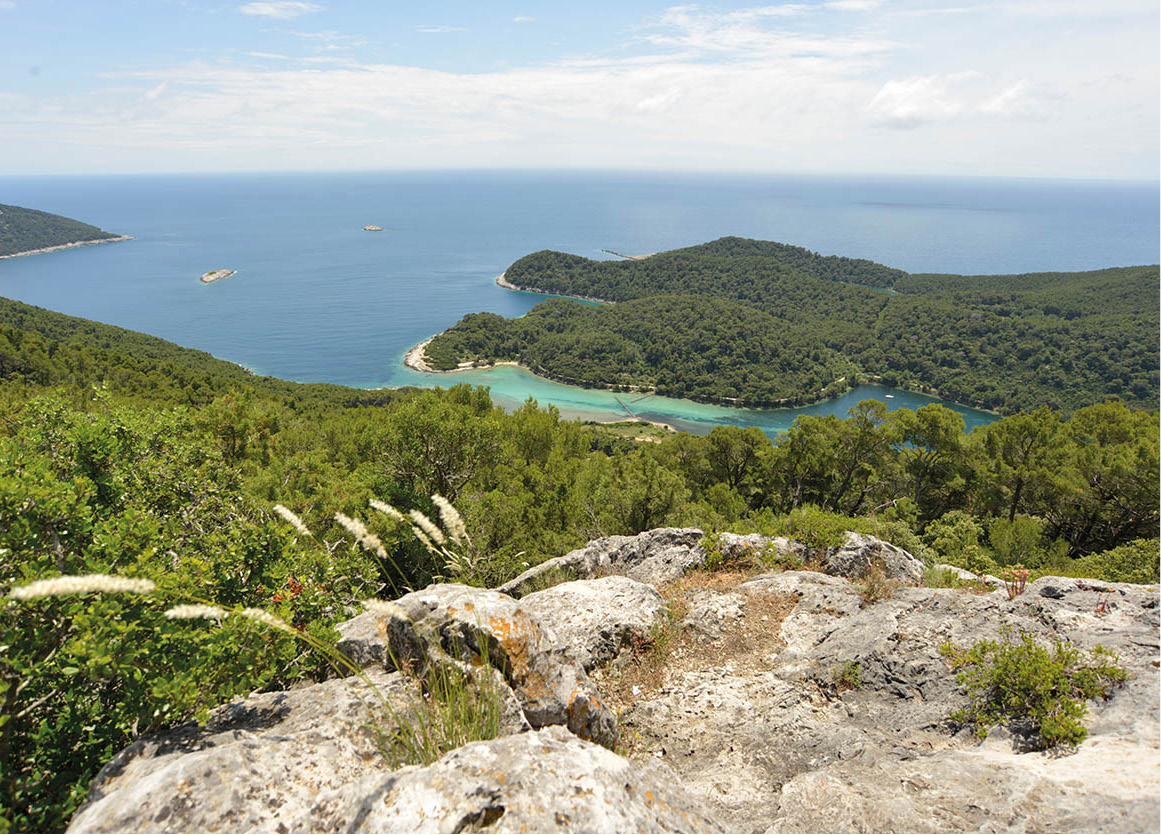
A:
x: 124, y: 454
x: 760, y: 323
x: 22, y: 230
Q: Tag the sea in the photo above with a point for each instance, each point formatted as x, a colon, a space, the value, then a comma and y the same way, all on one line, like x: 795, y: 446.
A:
x: 317, y: 299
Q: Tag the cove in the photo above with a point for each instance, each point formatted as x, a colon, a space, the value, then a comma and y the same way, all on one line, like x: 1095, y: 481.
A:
x: 511, y: 386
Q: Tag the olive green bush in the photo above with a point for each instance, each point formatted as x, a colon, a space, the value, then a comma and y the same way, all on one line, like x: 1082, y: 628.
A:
x: 1034, y: 690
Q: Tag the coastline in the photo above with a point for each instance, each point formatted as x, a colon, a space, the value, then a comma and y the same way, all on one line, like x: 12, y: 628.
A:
x: 502, y: 281
x: 414, y: 359
x: 71, y: 245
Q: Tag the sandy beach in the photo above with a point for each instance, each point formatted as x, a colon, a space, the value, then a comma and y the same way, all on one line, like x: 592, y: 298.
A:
x: 72, y: 245
x: 415, y: 360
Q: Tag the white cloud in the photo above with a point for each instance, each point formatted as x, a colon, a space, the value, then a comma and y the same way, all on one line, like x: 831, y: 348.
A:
x: 908, y: 103
x: 1022, y: 99
x: 785, y: 86
x: 440, y: 29
x: 280, y: 9
x: 521, y: 18
x: 154, y: 92
x: 749, y: 33
x: 6, y: 5
x: 854, y: 5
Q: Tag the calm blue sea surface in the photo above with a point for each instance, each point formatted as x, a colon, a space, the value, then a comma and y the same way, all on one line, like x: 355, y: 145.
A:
x: 318, y: 299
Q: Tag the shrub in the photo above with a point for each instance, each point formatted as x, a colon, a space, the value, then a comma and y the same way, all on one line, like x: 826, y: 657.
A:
x: 819, y: 528
x: 947, y: 578
x: 1032, y: 689
x: 1136, y: 562
x: 848, y: 676
x: 877, y: 586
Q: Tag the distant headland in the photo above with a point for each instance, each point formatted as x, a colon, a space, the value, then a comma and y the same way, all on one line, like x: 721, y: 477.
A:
x: 33, y: 232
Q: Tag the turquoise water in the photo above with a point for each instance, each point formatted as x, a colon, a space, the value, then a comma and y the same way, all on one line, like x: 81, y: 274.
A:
x: 318, y: 299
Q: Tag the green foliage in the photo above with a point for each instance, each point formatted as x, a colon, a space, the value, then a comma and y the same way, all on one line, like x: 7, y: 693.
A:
x: 819, y: 529
x: 453, y: 706
x: 1034, y: 690
x: 155, y: 474
x: 876, y: 586
x: 947, y: 578
x: 1134, y: 562
x: 40, y: 348
x: 22, y: 230
x: 762, y: 323
x: 847, y: 676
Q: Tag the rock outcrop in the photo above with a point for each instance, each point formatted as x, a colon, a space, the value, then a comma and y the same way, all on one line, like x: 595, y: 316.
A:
x: 657, y: 556
x: 855, y: 558
x: 775, y: 702
x: 594, y: 620
x: 772, y: 740
x: 462, y: 625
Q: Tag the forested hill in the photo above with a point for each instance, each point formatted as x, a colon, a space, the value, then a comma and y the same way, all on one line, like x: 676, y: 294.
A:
x: 23, y: 230
x: 762, y: 323
x: 41, y: 348
x: 753, y: 269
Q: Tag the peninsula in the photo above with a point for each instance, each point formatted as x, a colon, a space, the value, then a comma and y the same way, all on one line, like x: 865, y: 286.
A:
x: 33, y: 232
x: 216, y: 275
x: 757, y: 323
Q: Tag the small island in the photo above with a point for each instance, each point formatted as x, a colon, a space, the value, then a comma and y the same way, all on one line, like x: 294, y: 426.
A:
x: 370, y: 227
x: 216, y: 275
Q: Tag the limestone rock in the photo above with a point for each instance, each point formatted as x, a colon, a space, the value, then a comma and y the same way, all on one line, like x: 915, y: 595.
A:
x: 472, y: 626
x: 738, y: 546
x: 657, y: 556
x: 363, y: 640
x: 594, y: 620
x: 302, y: 761
x: 255, y: 766
x: 768, y: 741
x: 861, y: 551
x: 546, y: 781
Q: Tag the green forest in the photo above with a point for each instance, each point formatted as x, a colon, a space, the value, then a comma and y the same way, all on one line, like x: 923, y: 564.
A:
x: 22, y: 230
x: 758, y: 323
x: 124, y: 454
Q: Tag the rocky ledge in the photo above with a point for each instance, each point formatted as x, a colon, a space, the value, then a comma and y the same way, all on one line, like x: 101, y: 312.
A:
x: 733, y: 700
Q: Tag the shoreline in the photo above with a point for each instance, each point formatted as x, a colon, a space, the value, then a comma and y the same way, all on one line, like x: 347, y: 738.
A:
x: 414, y: 359
x: 70, y: 245
x: 502, y: 281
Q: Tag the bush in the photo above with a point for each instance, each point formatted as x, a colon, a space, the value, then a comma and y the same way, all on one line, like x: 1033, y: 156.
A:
x: 876, y: 586
x: 1035, y: 691
x: 848, y: 676
x: 1136, y: 562
x: 946, y: 578
x: 819, y: 528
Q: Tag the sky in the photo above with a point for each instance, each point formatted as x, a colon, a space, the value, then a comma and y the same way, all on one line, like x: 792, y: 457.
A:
x: 1028, y: 88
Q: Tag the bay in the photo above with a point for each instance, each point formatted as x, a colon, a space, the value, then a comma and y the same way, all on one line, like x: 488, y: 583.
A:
x: 317, y: 299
